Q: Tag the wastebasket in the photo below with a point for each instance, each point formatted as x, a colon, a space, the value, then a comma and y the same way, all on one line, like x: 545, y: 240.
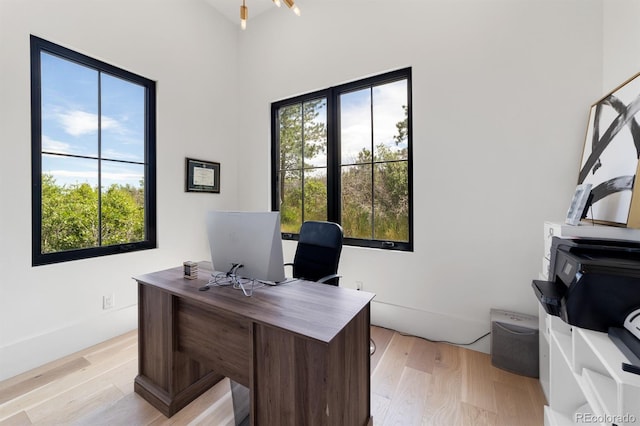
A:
x: 514, y: 342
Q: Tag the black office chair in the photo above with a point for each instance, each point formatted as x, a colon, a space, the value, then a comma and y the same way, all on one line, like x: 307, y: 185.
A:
x: 317, y: 255
x: 318, y: 252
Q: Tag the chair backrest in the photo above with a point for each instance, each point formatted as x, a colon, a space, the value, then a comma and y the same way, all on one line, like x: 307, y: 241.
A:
x: 318, y: 251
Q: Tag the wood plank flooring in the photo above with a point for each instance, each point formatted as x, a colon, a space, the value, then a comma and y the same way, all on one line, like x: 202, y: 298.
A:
x: 413, y: 381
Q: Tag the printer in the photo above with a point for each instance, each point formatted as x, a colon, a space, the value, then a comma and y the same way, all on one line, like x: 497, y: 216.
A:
x: 594, y: 284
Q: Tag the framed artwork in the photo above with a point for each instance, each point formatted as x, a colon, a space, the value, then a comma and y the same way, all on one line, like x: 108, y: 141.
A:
x: 610, y: 157
x: 202, y: 176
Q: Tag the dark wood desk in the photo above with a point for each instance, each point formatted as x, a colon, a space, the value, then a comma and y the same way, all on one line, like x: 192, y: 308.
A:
x: 302, y: 348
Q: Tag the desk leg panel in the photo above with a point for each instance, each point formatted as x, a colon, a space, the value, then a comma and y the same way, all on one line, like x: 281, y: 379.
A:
x: 290, y: 381
x: 273, y: 396
x: 167, y: 379
x: 154, y: 346
x: 300, y: 381
x: 349, y: 373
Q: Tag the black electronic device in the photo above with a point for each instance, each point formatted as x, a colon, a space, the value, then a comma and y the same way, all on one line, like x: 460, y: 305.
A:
x: 593, y: 284
x: 550, y: 295
x: 628, y: 344
x: 627, y: 339
x: 631, y: 368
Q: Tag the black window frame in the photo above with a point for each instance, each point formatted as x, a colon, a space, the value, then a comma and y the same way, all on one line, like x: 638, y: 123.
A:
x: 332, y: 95
x: 38, y: 46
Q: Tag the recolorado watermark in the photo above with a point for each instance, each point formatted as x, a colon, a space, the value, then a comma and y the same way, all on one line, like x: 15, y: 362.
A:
x: 605, y: 418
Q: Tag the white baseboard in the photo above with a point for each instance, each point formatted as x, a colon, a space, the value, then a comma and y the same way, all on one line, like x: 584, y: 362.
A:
x: 35, y: 351
x: 431, y: 325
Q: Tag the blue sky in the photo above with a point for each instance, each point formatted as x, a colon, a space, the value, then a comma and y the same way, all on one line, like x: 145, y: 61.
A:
x: 355, y: 120
x: 70, y: 124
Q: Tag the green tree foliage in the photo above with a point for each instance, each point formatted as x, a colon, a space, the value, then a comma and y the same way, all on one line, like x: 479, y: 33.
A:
x: 303, y: 137
x: 375, y: 193
x: 70, y: 215
x: 381, y: 214
x: 122, y: 216
x: 357, y: 202
x: 384, y: 213
x: 403, y: 127
x: 292, y: 134
x: 315, y: 202
x: 291, y: 205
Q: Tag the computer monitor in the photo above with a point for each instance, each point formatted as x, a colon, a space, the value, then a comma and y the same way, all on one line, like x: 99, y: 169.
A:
x: 249, y: 239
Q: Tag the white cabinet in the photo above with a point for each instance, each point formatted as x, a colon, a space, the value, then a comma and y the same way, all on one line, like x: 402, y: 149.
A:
x: 551, y: 229
x: 581, y: 370
x: 543, y: 350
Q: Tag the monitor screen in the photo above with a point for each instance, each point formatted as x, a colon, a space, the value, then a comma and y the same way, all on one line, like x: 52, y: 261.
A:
x: 251, y: 239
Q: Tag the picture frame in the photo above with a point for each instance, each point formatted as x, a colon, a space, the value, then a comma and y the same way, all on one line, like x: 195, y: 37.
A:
x: 578, y: 204
x: 202, y: 176
x: 610, y: 156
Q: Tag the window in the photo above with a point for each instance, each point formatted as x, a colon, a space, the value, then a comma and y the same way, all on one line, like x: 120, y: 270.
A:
x: 93, y: 157
x: 344, y: 154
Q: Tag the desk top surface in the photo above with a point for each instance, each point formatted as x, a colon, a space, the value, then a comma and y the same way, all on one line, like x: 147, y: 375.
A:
x: 311, y: 309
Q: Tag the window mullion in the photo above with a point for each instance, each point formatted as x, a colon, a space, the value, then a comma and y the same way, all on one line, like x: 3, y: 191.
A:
x: 334, y: 169
x: 99, y: 189
x: 373, y: 216
x: 302, y: 168
x: 275, y: 160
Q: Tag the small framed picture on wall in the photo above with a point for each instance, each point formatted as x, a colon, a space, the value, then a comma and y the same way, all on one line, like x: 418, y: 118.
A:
x: 202, y: 176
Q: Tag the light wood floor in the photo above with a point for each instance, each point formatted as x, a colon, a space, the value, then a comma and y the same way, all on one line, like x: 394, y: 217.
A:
x: 414, y: 382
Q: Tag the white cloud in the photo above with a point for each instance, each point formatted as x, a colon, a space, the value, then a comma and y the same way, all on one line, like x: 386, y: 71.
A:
x: 356, y: 118
x: 52, y: 145
x: 72, y: 177
x: 78, y: 123
x: 78, y: 174
x: 121, y: 155
x: 87, y: 175
x: 109, y: 123
x: 122, y: 177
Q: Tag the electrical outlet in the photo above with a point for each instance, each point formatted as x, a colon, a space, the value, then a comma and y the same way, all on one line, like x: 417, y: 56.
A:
x: 359, y: 285
x: 108, y: 301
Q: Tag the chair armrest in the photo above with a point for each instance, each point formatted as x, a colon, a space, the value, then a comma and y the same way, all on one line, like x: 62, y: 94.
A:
x: 286, y: 264
x: 328, y: 277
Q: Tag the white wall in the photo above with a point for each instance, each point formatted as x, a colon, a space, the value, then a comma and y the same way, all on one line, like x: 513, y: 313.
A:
x: 189, y: 49
x: 621, y: 42
x: 501, y: 90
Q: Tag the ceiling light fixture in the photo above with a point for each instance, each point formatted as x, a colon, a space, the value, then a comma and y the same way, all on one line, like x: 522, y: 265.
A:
x: 291, y: 5
x: 244, y: 10
x: 244, y: 14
